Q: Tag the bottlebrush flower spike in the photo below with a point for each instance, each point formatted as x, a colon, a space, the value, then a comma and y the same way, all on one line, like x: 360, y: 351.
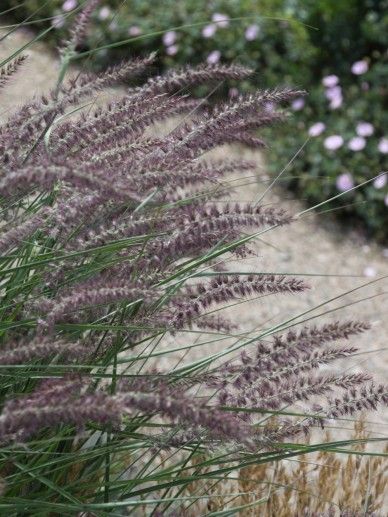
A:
x: 287, y: 358
x: 227, y: 218
x: 286, y: 365
x: 91, y: 296
x: 64, y: 402
x: 310, y: 337
x: 85, y: 84
x: 47, y: 175
x: 121, y: 128
x: 224, y: 288
x: 211, y: 132
x: 34, y: 116
x: 17, y: 235
x: 52, y: 409
x: 6, y: 72
x: 366, y: 397
x: 181, y: 408
x: 217, y: 323
x: 81, y: 23
x: 273, y: 393
x: 179, y: 79
x: 25, y: 351
x: 197, y: 172
x: 127, y: 123
x: 288, y: 348
x: 244, y: 138
x: 128, y: 227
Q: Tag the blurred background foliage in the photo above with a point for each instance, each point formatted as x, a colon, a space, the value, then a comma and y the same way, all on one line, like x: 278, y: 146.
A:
x: 295, y: 42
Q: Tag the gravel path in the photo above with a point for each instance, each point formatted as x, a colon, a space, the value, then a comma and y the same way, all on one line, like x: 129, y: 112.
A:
x: 313, y: 245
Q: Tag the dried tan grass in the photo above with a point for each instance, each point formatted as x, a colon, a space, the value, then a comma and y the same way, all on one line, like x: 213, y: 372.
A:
x: 323, y: 484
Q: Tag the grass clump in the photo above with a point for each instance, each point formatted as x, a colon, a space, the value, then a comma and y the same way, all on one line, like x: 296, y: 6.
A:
x: 111, y: 240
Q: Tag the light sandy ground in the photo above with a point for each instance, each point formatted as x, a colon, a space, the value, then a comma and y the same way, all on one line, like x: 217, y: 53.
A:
x: 339, y: 264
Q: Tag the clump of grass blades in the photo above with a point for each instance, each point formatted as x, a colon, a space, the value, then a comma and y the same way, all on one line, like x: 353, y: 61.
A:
x: 105, y: 227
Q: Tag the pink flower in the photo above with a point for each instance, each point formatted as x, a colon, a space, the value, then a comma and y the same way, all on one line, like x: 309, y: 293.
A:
x: 364, y: 129
x: 209, y: 30
x: 360, y: 67
x: 134, y: 30
x: 344, y: 182
x: 298, y: 104
x: 58, y: 21
x: 357, y: 143
x: 330, y: 81
x: 380, y: 181
x: 333, y: 142
x: 383, y: 145
x: 252, y: 32
x: 386, y: 200
x: 104, y: 13
x: 222, y: 20
x: 317, y: 128
x: 336, y: 103
x: 69, y: 5
x: 172, y: 50
x: 333, y: 92
x: 213, y: 57
x: 169, y: 38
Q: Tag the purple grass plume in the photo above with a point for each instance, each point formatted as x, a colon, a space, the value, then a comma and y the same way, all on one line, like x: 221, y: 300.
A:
x: 103, y: 217
x: 7, y: 71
